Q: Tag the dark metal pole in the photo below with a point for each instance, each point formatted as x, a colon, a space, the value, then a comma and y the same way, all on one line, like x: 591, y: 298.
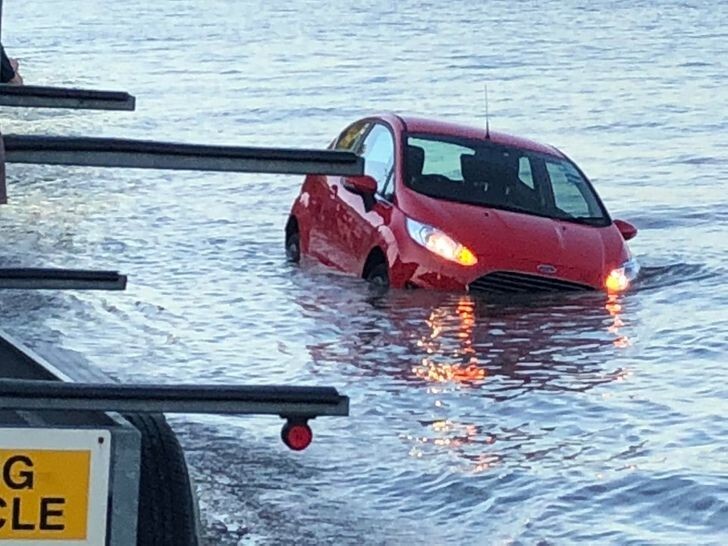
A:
x: 61, y: 279
x: 128, y: 153
x: 285, y: 401
x: 38, y: 96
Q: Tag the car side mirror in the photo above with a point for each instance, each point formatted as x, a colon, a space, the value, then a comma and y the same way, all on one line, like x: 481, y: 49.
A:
x: 363, y: 185
x: 627, y: 230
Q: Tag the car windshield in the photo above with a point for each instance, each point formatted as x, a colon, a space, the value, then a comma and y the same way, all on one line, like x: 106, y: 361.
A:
x: 478, y: 172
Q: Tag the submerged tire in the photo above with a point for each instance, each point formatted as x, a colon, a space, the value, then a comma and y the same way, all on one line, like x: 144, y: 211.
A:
x: 293, y: 247
x: 378, y: 277
x: 167, y: 507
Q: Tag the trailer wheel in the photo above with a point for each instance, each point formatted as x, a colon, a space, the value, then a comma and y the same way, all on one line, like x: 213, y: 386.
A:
x: 167, y: 507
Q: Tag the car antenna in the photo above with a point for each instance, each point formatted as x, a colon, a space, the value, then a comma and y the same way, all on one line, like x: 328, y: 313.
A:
x: 487, y: 117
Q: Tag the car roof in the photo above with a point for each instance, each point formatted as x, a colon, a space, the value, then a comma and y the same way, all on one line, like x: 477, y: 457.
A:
x: 415, y: 124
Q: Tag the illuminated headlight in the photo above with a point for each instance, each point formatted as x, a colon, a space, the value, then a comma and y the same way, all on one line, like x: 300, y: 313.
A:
x: 440, y: 243
x: 619, y: 279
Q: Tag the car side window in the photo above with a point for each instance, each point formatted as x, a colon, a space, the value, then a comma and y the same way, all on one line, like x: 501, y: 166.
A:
x: 378, y: 153
x: 525, y: 174
x: 351, y: 136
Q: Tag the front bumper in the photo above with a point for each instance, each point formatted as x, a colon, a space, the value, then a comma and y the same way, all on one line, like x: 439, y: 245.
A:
x: 418, y: 268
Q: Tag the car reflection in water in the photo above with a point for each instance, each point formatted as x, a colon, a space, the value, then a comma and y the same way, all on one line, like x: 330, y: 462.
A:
x: 498, y: 375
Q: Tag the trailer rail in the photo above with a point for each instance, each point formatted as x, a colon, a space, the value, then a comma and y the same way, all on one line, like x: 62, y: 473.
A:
x: 284, y: 401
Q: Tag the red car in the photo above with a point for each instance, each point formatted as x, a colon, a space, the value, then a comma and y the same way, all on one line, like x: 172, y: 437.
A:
x: 451, y: 207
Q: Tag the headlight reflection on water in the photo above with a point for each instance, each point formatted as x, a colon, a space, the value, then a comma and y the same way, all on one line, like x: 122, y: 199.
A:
x: 468, y: 369
x: 499, y: 353
x: 464, y: 370
x: 614, y: 308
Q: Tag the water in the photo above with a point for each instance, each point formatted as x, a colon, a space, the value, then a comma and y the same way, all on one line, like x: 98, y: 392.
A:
x: 550, y: 421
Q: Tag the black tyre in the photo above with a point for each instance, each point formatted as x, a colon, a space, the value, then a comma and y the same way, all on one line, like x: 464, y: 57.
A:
x: 378, y: 277
x: 167, y: 507
x: 293, y: 247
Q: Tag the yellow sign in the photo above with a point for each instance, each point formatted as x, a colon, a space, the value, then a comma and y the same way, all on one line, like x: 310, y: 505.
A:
x: 54, y: 486
x: 44, y: 494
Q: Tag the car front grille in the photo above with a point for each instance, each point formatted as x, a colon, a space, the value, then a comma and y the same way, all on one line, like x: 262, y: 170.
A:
x: 508, y: 282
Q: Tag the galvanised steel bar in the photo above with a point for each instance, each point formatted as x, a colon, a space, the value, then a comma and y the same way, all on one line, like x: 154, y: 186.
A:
x: 127, y: 153
x: 285, y: 401
x: 70, y: 279
x: 27, y: 96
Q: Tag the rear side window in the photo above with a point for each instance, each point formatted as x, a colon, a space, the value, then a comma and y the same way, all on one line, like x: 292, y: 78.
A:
x: 351, y: 136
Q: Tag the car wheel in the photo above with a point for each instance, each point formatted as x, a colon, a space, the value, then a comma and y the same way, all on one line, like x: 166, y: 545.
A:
x: 378, y: 277
x: 293, y: 247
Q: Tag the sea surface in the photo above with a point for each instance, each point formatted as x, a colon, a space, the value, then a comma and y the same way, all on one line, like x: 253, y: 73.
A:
x: 581, y: 419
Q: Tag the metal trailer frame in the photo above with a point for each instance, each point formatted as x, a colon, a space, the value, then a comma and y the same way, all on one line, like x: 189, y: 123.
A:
x: 49, y: 395
x: 17, y: 360
x: 60, y: 390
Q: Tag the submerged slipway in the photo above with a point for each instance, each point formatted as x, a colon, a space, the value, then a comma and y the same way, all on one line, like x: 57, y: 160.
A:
x: 472, y: 423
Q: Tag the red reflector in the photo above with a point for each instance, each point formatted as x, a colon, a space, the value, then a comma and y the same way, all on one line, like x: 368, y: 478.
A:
x: 297, y: 436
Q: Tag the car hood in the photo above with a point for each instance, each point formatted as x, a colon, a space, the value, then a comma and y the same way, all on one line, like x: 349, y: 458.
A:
x: 506, y: 240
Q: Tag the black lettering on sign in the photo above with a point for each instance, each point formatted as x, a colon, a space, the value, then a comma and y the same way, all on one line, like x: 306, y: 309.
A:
x: 17, y: 525
x: 25, y: 477
x: 46, y: 512
x: 3, y: 504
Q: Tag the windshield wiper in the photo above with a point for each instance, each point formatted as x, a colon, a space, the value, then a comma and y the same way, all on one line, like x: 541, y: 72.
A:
x: 589, y: 220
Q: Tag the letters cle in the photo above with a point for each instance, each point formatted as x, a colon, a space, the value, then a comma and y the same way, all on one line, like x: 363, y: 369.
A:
x: 22, y: 512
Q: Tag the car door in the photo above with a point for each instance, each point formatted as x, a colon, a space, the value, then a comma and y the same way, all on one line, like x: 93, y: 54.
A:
x: 326, y: 205
x: 358, y: 220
